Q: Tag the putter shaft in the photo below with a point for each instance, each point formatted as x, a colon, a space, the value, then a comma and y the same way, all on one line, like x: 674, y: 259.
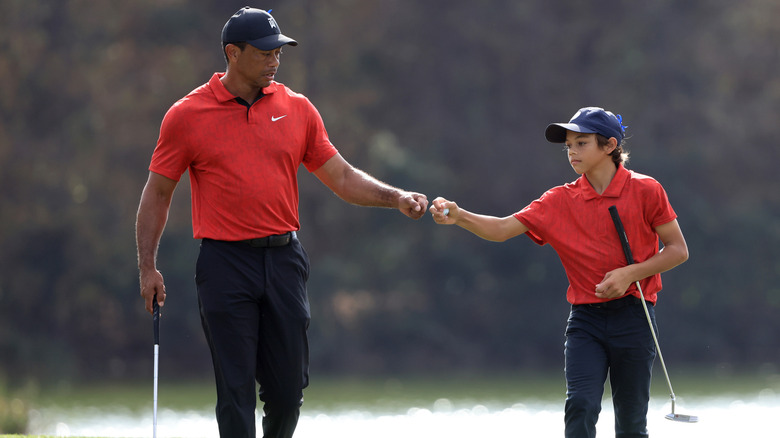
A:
x: 630, y: 260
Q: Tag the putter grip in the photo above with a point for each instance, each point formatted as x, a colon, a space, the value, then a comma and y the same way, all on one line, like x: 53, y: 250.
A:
x: 621, y: 234
x: 156, y: 319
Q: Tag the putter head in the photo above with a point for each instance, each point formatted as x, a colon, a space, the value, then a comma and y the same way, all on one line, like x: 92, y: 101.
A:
x: 682, y: 418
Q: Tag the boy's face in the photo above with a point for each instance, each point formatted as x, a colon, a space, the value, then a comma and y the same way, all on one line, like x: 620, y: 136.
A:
x: 584, y: 152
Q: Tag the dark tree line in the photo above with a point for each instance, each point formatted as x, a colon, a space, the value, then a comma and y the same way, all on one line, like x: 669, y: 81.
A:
x: 448, y: 98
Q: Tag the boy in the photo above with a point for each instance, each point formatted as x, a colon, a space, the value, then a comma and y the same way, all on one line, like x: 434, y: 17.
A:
x: 607, y: 332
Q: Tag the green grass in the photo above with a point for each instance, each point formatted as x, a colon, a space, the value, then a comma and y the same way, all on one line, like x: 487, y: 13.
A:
x: 394, y: 394
x: 325, y: 393
x: 37, y: 436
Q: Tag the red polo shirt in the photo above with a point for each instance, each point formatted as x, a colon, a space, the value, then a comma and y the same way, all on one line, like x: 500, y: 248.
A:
x: 243, y: 162
x: 575, y: 221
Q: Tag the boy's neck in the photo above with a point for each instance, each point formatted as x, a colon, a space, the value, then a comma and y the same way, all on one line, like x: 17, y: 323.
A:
x: 600, y: 177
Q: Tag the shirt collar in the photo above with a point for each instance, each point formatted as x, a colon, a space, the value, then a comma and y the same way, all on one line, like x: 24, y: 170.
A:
x: 223, y: 95
x: 614, y: 188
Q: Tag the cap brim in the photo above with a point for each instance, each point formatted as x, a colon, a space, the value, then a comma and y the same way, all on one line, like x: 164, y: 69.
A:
x: 556, y: 132
x: 272, y: 42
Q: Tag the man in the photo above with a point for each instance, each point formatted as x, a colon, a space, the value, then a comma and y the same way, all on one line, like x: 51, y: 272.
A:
x: 242, y: 136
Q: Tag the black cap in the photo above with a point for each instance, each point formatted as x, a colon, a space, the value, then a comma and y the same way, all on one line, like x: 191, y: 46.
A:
x: 588, y: 120
x: 256, y: 27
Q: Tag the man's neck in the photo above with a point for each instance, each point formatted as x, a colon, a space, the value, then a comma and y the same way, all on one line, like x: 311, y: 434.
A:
x: 240, y: 88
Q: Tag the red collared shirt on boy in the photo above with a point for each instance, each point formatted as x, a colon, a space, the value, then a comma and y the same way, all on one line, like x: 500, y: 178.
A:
x: 575, y: 221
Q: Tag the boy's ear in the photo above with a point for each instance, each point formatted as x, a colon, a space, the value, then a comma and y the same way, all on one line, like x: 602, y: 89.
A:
x: 611, y: 145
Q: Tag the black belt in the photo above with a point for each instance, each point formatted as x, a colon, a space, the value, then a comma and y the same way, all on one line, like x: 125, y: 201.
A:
x: 271, y: 241
x: 616, y: 304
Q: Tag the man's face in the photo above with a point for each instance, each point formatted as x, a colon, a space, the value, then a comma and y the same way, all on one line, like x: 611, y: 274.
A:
x: 256, y: 67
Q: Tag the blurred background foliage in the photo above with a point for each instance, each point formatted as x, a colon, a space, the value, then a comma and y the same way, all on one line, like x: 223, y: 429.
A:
x: 443, y: 97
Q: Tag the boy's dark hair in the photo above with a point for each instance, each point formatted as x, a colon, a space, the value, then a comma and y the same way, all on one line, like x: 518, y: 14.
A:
x: 619, y: 155
x: 241, y: 45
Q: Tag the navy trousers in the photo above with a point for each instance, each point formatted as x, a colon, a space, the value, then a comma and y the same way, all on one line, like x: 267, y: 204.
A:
x: 609, y: 339
x: 255, y: 314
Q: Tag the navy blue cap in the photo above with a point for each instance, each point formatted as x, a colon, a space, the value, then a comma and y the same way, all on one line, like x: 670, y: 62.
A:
x: 256, y: 27
x: 588, y: 120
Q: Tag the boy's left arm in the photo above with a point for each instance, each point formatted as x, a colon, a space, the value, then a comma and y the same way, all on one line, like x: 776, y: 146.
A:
x: 673, y: 253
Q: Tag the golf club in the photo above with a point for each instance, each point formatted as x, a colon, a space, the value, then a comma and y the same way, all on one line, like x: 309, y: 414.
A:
x: 630, y: 259
x: 156, y: 319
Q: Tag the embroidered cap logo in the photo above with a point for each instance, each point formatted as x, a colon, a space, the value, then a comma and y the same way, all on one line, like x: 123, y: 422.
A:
x: 620, y: 120
x: 272, y: 22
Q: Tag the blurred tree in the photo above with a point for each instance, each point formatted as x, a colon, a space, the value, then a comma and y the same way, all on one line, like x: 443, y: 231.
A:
x: 449, y: 98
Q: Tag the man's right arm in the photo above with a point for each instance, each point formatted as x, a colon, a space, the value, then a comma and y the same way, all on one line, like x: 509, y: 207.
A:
x: 150, y: 223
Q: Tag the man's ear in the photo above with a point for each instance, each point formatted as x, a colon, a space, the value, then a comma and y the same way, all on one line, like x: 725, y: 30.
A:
x: 232, y: 51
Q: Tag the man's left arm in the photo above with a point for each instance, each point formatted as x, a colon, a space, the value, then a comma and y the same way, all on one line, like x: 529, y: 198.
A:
x: 357, y: 187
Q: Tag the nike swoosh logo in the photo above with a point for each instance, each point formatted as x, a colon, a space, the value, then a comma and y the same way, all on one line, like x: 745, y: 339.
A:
x: 273, y: 119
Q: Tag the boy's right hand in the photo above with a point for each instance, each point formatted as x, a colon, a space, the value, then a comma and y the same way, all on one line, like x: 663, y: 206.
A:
x: 444, y: 212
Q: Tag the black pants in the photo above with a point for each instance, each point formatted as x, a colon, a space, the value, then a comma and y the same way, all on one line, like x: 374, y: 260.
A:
x: 613, y: 339
x: 255, y: 313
